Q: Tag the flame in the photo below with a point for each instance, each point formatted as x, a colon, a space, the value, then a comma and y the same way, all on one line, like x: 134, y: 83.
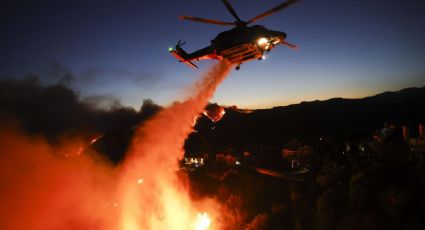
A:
x: 85, y: 192
x: 195, y: 119
x: 163, y: 201
x: 214, y: 112
x: 83, y: 148
x: 202, y: 222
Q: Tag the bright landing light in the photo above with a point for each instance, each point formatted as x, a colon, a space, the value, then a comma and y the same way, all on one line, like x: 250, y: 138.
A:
x: 262, y: 41
x: 203, y: 222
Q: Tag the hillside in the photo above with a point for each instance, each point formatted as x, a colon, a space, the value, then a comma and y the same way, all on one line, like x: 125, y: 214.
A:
x: 337, y: 117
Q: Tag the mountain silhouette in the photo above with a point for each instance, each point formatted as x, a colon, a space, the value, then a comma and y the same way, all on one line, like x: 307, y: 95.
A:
x: 333, y: 118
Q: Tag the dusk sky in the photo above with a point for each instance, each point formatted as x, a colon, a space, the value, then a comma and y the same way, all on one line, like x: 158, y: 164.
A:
x: 348, y: 48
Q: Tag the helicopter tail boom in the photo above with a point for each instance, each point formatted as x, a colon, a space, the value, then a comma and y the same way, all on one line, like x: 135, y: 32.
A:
x: 181, y: 55
x: 181, y: 58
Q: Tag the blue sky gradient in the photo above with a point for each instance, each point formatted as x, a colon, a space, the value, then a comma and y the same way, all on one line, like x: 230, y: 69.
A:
x: 347, y: 48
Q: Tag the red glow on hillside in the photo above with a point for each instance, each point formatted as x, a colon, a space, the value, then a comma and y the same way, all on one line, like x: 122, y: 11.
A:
x: 41, y: 189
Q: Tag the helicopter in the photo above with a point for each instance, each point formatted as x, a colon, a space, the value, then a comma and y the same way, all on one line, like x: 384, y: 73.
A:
x: 238, y: 45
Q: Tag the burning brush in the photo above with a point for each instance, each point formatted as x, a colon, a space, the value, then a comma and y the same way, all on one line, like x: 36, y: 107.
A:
x: 214, y: 112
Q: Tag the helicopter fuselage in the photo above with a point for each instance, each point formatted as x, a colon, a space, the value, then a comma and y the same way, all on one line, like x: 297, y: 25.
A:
x: 240, y: 44
x: 236, y: 45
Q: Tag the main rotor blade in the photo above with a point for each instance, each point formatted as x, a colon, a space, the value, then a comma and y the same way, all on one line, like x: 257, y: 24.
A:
x: 292, y: 46
x: 272, y: 10
x: 231, y: 10
x: 204, y: 20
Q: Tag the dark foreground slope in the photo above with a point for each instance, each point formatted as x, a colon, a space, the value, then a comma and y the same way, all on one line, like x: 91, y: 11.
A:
x: 380, y: 186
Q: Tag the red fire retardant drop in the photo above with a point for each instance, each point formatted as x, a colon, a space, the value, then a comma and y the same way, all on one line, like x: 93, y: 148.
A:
x: 40, y: 189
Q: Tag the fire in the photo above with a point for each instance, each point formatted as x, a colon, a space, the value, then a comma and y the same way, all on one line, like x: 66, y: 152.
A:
x: 203, y: 221
x: 214, y: 112
x: 85, y: 192
x: 39, y: 189
x: 83, y: 148
x: 163, y: 202
x: 195, y: 119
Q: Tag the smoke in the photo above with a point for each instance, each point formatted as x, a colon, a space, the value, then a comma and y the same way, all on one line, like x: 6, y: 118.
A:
x: 103, y: 76
x: 259, y: 222
x: 44, y: 183
x: 106, y: 102
x: 161, y: 201
x: 58, y: 70
x: 42, y: 188
x: 55, y: 110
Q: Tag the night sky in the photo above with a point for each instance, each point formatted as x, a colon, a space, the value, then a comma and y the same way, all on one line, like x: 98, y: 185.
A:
x: 118, y: 49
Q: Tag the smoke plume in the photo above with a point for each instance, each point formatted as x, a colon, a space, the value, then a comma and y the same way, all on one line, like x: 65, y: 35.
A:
x: 56, y: 110
x: 41, y: 188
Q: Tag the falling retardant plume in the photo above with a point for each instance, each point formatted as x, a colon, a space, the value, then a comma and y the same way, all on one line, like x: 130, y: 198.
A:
x: 44, y: 187
x: 151, y: 195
